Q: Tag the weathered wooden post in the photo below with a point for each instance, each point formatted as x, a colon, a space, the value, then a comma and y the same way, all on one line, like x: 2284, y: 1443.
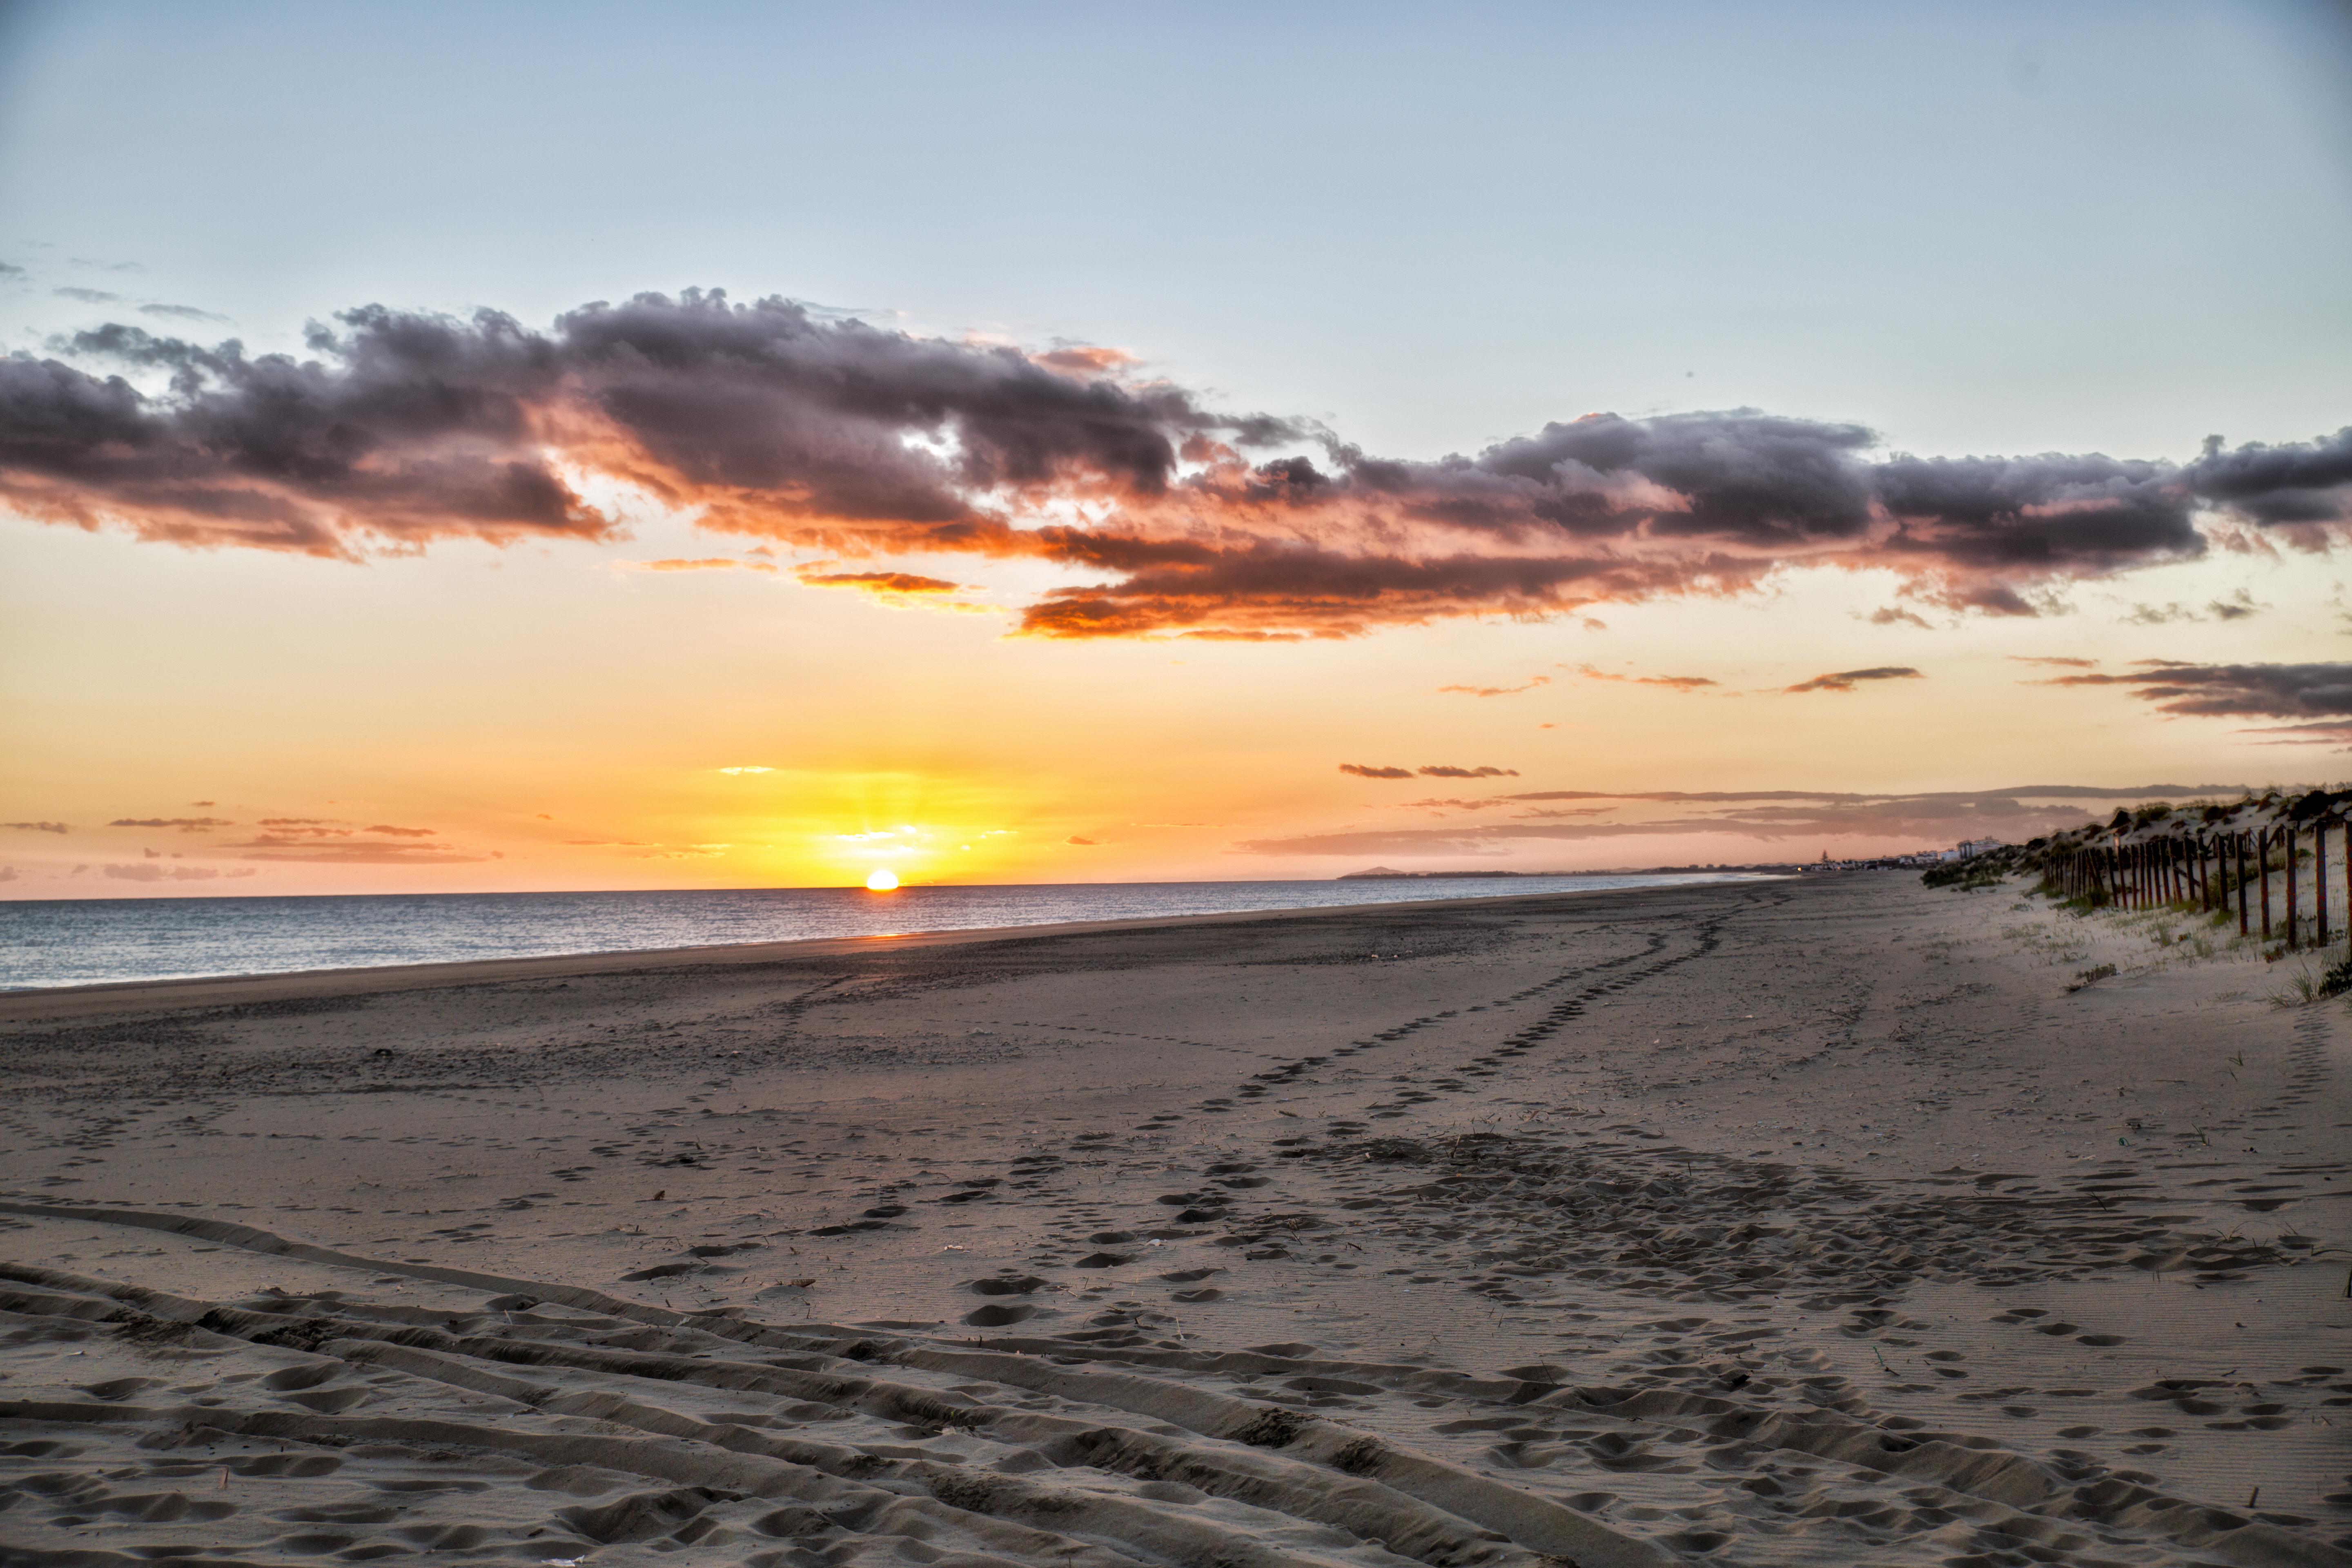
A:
x: 2319, y: 883
x: 2238, y: 841
x: 2294, y: 908
x: 2263, y: 872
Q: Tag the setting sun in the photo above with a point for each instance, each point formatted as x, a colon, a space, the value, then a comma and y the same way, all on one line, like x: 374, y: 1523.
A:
x: 882, y: 881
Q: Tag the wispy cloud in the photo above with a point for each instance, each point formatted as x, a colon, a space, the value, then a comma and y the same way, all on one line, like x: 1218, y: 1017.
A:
x: 36, y: 826
x: 1676, y: 682
x: 2237, y: 607
x: 1436, y: 771
x: 1850, y: 679
x: 1531, y: 683
x: 185, y: 824
x: 702, y: 564
x: 152, y: 871
x: 880, y: 582
x: 181, y: 314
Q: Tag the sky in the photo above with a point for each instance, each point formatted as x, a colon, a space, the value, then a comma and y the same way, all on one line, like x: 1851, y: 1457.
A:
x: 526, y: 447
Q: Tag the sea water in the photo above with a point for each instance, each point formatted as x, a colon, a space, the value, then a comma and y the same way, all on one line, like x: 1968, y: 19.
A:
x: 80, y: 942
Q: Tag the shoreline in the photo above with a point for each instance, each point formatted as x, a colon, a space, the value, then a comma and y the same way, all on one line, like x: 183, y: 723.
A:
x: 99, y: 998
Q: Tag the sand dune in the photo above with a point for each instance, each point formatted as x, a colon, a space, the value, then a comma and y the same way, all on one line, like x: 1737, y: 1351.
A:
x: 1784, y: 1223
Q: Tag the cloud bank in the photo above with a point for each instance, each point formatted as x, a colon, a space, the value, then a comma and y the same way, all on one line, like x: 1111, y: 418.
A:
x: 1781, y: 824
x: 766, y: 420
x: 2321, y: 693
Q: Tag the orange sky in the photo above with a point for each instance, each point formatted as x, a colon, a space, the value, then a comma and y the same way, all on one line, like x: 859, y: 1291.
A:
x: 552, y: 716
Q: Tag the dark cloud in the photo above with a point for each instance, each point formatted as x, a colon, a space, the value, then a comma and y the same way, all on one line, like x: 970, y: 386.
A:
x: 35, y: 826
x: 1532, y: 682
x: 8, y: 270
x: 2235, y: 690
x: 2299, y: 484
x: 1895, y: 616
x: 185, y: 824
x: 88, y: 296
x: 775, y: 421
x: 1363, y: 772
x: 1847, y: 680
x: 2061, y: 663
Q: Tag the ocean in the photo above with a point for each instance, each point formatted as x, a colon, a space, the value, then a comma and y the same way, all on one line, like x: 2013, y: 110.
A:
x: 83, y: 941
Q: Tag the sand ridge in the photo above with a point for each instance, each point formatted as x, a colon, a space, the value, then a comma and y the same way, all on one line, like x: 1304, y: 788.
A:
x: 1771, y: 1223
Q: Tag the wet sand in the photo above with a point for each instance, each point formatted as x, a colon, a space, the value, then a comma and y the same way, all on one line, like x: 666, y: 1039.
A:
x: 1781, y: 1222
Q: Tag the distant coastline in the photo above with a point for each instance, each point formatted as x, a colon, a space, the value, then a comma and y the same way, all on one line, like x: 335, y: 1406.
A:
x: 1388, y: 874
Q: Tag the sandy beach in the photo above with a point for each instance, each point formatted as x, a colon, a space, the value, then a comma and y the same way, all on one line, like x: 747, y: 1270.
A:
x: 1821, y: 1220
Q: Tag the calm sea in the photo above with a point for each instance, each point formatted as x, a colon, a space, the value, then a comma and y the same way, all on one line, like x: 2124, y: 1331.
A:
x: 79, y: 941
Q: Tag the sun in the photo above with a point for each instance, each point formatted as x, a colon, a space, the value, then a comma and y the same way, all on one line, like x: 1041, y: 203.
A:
x: 882, y: 881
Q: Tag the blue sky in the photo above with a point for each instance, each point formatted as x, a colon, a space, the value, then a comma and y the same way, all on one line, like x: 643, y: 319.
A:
x: 1984, y: 227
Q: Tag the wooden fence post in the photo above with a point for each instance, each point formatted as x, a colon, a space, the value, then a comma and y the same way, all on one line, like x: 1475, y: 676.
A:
x: 2294, y: 911
x: 2238, y: 841
x: 2262, y: 871
x: 2319, y: 883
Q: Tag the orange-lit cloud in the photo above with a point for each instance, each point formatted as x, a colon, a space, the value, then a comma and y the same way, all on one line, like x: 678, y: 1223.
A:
x: 880, y: 582
x: 700, y: 563
x: 1085, y: 360
x: 1531, y: 683
x: 1672, y: 682
x: 769, y: 422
